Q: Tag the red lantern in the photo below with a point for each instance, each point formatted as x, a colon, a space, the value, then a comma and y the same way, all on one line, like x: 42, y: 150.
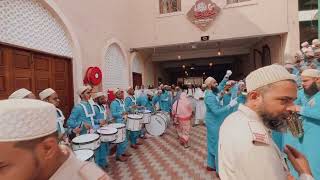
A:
x: 93, y: 76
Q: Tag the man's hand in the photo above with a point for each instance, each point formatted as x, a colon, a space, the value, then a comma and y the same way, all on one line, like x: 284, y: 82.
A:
x: 298, y: 160
x: 87, y: 126
x: 103, y: 122
x: 77, y: 130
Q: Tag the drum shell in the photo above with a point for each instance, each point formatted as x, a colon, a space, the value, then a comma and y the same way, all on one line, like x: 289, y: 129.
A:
x: 121, y: 134
x: 108, y: 137
x: 146, y: 118
x: 92, y: 145
x: 134, y: 124
x: 89, y: 159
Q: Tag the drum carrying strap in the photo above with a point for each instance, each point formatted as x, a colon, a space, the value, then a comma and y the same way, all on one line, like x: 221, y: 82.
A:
x: 102, y: 110
x: 60, y: 120
x: 121, y: 104
x: 87, y: 113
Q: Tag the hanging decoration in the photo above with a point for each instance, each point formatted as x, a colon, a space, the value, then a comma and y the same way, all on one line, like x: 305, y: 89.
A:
x: 203, y: 13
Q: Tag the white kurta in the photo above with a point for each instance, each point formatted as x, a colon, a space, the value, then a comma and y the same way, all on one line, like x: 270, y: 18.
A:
x: 247, y: 151
x: 200, y: 106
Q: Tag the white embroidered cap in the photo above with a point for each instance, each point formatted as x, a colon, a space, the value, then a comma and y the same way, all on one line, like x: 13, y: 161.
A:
x: 46, y: 93
x: 267, y: 75
x: 311, y: 73
x: 82, y: 89
x: 98, y: 94
x: 208, y: 80
x: 20, y: 94
x: 26, y: 119
x: 305, y: 44
x: 316, y: 42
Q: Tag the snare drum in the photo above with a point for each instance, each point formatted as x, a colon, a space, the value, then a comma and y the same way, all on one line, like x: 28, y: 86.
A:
x: 86, y: 141
x: 107, y: 134
x: 121, y: 134
x: 133, y: 122
x: 85, y: 155
x: 146, y: 117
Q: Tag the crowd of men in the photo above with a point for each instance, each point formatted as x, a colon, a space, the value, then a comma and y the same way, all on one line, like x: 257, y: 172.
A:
x: 246, y: 123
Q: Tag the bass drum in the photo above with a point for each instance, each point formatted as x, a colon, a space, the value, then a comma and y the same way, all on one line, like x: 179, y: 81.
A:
x: 165, y: 116
x: 157, y: 125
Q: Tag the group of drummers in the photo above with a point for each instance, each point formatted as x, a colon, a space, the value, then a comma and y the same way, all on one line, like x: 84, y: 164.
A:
x: 95, y: 126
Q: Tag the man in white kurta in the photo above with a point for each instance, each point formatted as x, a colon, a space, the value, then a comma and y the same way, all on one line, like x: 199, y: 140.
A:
x: 246, y: 148
x: 200, y: 106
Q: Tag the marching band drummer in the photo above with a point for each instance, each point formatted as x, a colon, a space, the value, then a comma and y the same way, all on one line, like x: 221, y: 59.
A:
x: 146, y: 101
x: 50, y: 96
x: 119, y: 113
x: 81, y: 119
x: 100, y: 120
x: 131, y: 106
x: 22, y: 94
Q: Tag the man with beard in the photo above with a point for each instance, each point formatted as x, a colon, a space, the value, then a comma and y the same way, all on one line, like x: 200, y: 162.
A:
x: 81, y: 118
x: 246, y: 149
x: 131, y: 107
x: 50, y: 96
x: 119, y: 113
x: 29, y: 147
x: 100, y: 119
x: 308, y: 107
x: 215, y: 114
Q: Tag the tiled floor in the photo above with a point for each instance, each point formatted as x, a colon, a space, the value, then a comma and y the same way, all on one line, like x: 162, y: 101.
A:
x: 164, y: 158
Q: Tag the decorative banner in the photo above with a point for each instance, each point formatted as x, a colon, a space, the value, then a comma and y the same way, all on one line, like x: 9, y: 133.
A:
x: 203, y: 13
x: 93, y: 76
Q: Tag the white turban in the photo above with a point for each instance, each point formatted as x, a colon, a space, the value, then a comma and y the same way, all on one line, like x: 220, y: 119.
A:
x: 316, y: 42
x: 311, y: 73
x: 209, y: 80
x: 267, y: 75
x: 305, y: 44
x: 46, y: 93
x: 26, y: 119
x: 82, y: 89
x: 20, y: 94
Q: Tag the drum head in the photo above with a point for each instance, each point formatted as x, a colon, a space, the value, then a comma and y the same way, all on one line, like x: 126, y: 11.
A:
x: 85, y: 138
x: 156, y: 126
x: 117, y: 125
x: 107, y: 130
x: 135, y: 116
x: 84, y: 154
x: 164, y: 116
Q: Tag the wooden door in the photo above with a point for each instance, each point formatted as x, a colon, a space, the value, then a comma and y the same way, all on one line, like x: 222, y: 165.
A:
x: 4, y: 77
x: 20, y: 68
x: 23, y: 69
x: 42, y: 73
x: 62, y: 83
x: 136, y: 79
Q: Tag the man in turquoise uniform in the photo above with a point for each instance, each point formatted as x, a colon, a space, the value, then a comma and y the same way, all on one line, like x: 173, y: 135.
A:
x: 165, y: 100
x: 131, y: 107
x: 214, y: 117
x: 100, y: 119
x: 118, y: 113
x: 81, y: 119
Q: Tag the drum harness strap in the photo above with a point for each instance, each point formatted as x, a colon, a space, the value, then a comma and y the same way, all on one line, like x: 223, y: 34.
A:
x: 87, y: 113
x: 60, y: 120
